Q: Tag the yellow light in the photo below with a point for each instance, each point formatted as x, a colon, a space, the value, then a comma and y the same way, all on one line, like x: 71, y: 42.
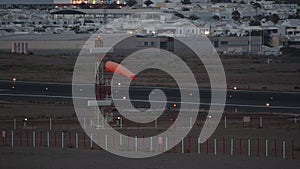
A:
x: 174, y: 105
x: 94, y: 2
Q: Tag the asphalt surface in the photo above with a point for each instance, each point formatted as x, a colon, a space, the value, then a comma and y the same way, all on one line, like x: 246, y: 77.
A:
x: 242, y: 100
x: 76, y: 159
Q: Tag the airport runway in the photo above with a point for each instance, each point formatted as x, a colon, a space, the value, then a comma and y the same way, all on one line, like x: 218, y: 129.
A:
x: 242, y: 100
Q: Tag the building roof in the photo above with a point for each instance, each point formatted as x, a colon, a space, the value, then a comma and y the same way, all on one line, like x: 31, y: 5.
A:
x: 68, y: 12
x: 26, y: 2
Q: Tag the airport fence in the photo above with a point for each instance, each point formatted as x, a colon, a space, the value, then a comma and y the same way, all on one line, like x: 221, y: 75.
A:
x: 230, y: 121
x: 233, y: 146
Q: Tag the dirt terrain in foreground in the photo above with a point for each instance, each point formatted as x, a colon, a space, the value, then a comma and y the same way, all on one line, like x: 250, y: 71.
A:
x: 282, y: 73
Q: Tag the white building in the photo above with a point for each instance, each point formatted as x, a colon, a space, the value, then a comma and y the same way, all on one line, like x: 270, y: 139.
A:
x: 26, y: 3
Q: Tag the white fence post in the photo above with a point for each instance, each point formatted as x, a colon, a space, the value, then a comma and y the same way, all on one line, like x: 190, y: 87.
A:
x: 121, y: 142
x: 121, y: 122
x: 105, y: 141
x: 84, y: 125
x: 48, y: 139
x: 15, y: 124
x: 33, y: 138
x: 50, y: 124
x: 231, y: 146
x: 91, y: 141
x: 215, y: 145
x: 91, y: 122
x: 166, y: 143
x: 151, y: 143
x: 76, y: 140
x: 182, y: 146
x: 136, y: 144
x: 199, y: 148
x: 260, y: 122
x: 12, y: 138
x: 267, y: 151
x: 249, y: 147
x: 283, y: 149
x: 62, y: 139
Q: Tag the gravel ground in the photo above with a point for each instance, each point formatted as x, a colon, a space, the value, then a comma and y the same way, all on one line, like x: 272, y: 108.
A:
x: 83, y: 159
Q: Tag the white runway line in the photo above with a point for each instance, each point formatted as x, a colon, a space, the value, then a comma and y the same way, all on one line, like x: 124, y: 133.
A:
x: 209, y: 104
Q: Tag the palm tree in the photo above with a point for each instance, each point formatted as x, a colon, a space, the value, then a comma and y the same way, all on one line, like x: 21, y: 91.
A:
x: 130, y: 3
x: 186, y: 2
x: 148, y: 3
x: 236, y: 15
x: 274, y: 18
x: 256, y: 6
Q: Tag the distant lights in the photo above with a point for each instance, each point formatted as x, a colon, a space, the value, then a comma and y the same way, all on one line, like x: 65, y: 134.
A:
x: 267, y: 104
x: 235, y: 88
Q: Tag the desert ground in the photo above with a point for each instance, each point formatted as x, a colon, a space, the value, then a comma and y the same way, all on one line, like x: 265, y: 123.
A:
x: 282, y: 73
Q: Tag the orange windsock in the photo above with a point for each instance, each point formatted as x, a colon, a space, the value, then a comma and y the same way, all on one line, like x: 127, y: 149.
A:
x: 119, y: 69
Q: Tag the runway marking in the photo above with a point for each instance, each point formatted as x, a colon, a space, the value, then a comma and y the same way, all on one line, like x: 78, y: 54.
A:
x: 216, y: 104
x: 208, y: 104
x: 153, y: 87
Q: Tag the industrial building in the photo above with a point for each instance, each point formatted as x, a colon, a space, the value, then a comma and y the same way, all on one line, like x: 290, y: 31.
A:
x: 48, y: 4
x: 26, y: 4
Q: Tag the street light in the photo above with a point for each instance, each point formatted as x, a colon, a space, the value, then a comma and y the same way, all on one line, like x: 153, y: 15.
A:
x: 174, y: 105
x: 235, y: 88
x: 267, y: 104
x: 14, y: 82
x: 25, y: 121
